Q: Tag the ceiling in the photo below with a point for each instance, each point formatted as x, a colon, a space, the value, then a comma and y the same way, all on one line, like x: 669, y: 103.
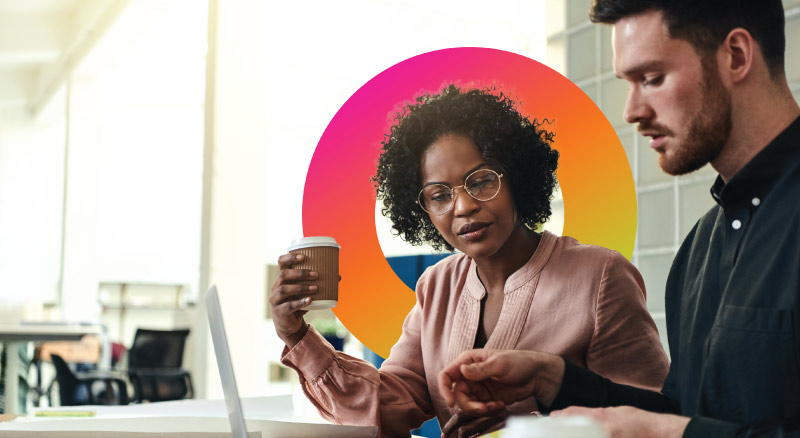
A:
x: 43, y: 41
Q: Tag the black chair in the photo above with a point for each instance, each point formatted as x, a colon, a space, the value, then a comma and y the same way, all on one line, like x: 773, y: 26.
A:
x: 113, y: 390
x: 155, y: 366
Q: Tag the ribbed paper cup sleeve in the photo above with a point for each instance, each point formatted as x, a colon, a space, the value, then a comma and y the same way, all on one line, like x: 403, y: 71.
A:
x: 325, y: 260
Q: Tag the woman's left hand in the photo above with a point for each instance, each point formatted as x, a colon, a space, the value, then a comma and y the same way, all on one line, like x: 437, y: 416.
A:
x: 463, y: 425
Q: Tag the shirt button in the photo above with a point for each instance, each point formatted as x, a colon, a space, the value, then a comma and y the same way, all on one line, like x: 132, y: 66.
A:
x: 736, y: 224
x: 756, y: 202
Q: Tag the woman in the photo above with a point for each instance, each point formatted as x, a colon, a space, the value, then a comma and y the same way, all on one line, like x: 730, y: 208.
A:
x: 465, y: 170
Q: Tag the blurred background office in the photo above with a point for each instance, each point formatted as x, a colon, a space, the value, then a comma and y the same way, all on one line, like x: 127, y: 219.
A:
x: 149, y: 148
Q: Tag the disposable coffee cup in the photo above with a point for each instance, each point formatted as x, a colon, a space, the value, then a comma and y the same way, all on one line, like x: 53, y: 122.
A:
x: 322, y: 255
x: 562, y: 427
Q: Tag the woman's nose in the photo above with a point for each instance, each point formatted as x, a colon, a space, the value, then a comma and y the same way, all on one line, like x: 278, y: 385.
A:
x: 463, y: 203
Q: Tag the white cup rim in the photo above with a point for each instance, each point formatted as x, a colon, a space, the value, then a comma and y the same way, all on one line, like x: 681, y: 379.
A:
x: 561, y: 427
x: 312, y: 241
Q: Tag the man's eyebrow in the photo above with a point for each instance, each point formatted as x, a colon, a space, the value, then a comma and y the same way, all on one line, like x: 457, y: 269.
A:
x: 639, y: 68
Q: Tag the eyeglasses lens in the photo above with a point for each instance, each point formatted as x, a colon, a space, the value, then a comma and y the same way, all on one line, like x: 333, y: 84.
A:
x: 483, y: 185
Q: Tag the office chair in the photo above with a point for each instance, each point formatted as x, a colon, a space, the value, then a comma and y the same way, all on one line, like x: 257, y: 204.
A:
x: 154, y: 366
x: 82, y: 355
x: 80, y: 389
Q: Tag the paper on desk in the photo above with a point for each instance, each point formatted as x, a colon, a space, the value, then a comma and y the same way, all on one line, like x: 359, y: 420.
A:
x: 260, y: 408
x: 176, y: 427
x: 67, y: 434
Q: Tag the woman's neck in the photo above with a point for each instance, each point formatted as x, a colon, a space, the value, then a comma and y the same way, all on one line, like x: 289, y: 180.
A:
x: 518, y: 249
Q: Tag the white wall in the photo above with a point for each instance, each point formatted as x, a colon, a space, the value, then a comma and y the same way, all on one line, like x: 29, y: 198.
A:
x: 234, y: 179
x: 31, y: 190
x: 134, y: 156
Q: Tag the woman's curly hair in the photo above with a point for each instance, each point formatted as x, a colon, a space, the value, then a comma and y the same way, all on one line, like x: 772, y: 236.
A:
x: 503, y: 136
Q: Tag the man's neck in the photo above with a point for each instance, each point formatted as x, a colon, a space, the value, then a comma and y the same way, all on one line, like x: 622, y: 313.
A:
x: 758, y: 117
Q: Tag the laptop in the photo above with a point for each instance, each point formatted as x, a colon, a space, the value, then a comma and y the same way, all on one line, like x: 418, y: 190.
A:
x: 234, y: 404
x: 232, y: 401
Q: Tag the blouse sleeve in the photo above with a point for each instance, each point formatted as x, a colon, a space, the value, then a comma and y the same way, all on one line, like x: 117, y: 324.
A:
x: 625, y: 346
x: 347, y: 390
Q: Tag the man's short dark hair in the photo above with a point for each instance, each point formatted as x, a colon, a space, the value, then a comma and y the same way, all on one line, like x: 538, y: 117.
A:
x: 510, y: 142
x: 706, y: 23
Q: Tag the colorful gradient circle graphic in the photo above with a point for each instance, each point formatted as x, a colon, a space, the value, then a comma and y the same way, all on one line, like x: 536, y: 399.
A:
x: 339, y: 200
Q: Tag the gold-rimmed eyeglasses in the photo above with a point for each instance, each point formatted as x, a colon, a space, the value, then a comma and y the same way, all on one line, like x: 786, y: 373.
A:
x: 438, y: 199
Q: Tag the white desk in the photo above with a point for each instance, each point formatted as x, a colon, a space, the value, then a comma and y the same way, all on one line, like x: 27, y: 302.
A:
x: 267, y: 417
x: 16, y: 334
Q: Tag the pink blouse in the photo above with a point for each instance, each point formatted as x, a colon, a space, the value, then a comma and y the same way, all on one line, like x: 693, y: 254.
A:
x: 581, y: 302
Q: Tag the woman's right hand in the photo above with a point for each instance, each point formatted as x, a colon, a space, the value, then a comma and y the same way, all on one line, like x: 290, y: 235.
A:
x: 482, y: 382
x: 289, y: 299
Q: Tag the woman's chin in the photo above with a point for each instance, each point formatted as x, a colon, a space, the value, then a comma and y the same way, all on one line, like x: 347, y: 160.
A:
x: 480, y: 250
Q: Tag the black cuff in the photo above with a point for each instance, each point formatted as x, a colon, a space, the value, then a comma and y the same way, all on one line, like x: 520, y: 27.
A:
x: 704, y: 427
x: 579, y: 387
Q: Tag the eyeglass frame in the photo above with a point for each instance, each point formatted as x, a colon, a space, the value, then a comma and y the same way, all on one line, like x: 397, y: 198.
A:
x: 464, y: 186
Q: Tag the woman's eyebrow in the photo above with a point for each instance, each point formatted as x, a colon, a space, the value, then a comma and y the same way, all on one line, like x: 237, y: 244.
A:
x: 484, y: 164
x: 466, y: 174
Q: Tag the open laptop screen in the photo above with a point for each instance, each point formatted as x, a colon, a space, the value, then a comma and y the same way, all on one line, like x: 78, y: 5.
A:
x: 221, y: 350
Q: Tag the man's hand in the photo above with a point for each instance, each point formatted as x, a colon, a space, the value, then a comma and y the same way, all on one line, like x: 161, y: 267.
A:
x: 629, y: 422
x: 482, y: 382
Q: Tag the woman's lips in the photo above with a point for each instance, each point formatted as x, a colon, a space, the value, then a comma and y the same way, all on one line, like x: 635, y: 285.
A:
x: 473, y: 231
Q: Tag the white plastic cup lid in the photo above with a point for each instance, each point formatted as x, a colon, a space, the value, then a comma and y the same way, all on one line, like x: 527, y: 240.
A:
x: 561, y: 427
x: 309, y: 242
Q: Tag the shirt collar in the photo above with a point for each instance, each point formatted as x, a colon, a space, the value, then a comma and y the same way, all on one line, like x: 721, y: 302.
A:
x: 758, y: 176
x: 521, y: 276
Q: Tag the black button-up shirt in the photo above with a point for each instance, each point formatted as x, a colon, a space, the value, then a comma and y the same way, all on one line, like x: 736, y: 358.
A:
x: 733, y: 310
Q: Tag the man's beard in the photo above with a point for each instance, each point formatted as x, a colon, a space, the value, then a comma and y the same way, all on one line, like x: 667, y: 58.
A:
x: 708, y: 131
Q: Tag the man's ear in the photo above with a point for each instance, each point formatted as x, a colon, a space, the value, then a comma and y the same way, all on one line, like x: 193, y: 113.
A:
x: 737, y: 54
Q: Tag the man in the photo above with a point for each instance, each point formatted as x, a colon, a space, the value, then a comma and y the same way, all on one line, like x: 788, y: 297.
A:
x: 707, y: 85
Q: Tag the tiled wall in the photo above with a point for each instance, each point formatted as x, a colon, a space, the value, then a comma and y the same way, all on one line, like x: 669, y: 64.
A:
x: 668, y: 207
